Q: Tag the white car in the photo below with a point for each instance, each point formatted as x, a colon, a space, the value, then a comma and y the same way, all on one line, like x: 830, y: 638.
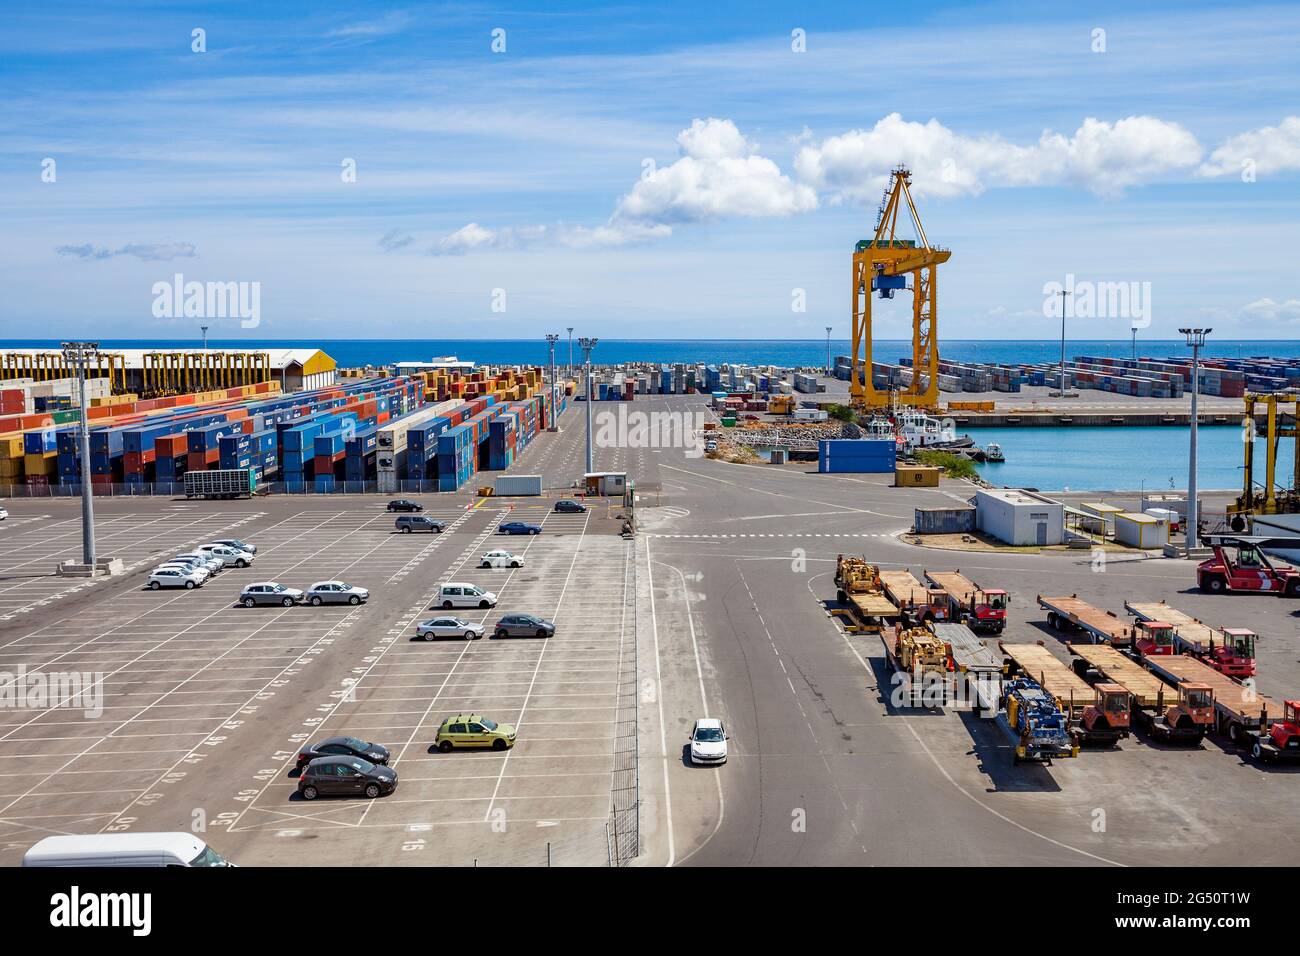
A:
x: 237, y: 544
x: 213, y: 564
x: 188, y: 566
x: 335, y: 592
x: 227, y: 554
x: 501, y: 559
x: 449, y: 627
x: 456, y: 594
x: 4, y: 512
x: 708, y: 742
x: 268, y: 592
x: 176, y: 578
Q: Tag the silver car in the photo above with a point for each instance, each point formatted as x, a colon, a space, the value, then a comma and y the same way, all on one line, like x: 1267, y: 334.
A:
x: 228, y: 555
x: 208, y: 561
x: 335, y: 592
x: 194, y: 566
x: 237, y: 544
x: 268, y: 592
x: 449, y: 627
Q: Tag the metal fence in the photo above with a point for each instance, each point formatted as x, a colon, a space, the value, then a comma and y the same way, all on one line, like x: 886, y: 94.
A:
x: 623, y: 831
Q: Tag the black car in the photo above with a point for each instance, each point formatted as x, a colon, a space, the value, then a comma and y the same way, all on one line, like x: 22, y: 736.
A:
x: 408, y: 523
x: 569, y: 506
x: 345, y: 777
x: 343, y: 747
x: 518, y: 527
x: 402, y: 504
x: 523, y: 625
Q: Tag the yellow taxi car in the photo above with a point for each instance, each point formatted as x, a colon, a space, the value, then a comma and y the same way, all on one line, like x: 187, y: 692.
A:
x: 473, y: 730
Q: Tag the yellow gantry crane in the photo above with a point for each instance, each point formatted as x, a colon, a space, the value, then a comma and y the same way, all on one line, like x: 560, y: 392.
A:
x: 881, y: 265
x: 1270, y: 499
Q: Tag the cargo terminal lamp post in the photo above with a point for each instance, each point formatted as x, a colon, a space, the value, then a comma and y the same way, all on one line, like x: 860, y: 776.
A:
x: 587, y: 344
x: 81, y: 354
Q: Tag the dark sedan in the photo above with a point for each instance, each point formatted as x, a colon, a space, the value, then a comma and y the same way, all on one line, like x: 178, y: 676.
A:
x: 569, y: 506
x: 519, y: 527
x: 524, y: 625
x: 345, y: 777
x: 343, y: 747
x: 402, y: 504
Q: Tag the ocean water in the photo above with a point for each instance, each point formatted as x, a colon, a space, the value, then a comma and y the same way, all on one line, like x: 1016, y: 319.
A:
x: 1119, y: 458
x: 782, y: 352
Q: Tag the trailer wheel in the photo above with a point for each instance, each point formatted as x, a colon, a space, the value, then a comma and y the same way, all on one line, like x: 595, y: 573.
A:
x: 1053, y: 621
x: 1257, y: 751
x: 1234, y: 732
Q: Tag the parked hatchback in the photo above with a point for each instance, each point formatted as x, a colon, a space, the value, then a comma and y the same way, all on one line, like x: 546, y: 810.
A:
x: 524, y: 625
x: 344, y: 747
x: 345, y: 777
x: 208, y: 561
x: 194, y: 566
x: 501, y: 559
x: 268, y: 592
x: 449, y: 627
x: 569, y: 506
x: 473, y: 730
x: 708, y: 742
x: 402, y: 504
x: 519, y: 527
x: 409, y: 523
x: 454, y: 594
x: 176, y: 578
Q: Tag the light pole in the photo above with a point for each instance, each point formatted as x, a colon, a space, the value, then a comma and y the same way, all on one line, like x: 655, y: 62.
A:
x: 828, y: 351
x: 81, y: 354
x: 205, y: 337
x: 1195, y: 338
x: 1134, y: 330
x: 1063, y: 293
x: 551, y: 339
x: 570, y: 372
x: 587, y: 345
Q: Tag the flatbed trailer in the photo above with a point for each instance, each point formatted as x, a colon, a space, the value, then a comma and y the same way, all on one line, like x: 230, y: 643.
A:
x: 1071, y: 614
x: 1055, y: 676
x: 1158, y: 707
x: 1239, y: 708
x: 968, y: 603
x: 858, y: 590
x: 970, y: 656
x: 913, y: 597
x: 1232, y: 652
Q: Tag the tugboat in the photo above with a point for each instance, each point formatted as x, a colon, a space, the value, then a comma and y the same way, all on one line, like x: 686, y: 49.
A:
x: 919, y: 432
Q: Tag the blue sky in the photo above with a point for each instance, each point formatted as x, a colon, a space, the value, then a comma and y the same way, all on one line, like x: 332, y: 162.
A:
x: 675, y: 171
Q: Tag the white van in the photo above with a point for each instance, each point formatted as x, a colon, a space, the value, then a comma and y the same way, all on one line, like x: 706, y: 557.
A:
x: 456, y: 594
x: 123, y: 849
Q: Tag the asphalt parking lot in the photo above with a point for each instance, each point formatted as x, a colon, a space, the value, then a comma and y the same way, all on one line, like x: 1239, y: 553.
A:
x: 202, y: 699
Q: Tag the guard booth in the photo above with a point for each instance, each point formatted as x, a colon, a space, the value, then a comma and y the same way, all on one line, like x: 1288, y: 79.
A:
x: 605, y: 483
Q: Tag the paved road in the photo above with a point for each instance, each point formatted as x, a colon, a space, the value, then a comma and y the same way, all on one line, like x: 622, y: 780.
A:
x: 824, y: 771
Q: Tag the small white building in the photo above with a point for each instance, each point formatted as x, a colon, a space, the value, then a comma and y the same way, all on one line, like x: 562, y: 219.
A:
x: 1019, y: 517
x: 1141, y: 530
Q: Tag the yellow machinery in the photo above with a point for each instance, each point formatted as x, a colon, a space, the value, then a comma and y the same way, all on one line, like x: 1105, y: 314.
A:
x: 881, y: 265
x: 780, y: 405
x: 45, y: 366
x: 1269, y: 499
x: 917, y: 649
x: 859, y: 589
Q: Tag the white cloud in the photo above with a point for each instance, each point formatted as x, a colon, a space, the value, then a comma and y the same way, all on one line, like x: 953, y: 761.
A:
x: 1266, y: 310
x: 1272, y: 149
x: 1100, y: 156
x: 720, y: 175
x: 474, y: 237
